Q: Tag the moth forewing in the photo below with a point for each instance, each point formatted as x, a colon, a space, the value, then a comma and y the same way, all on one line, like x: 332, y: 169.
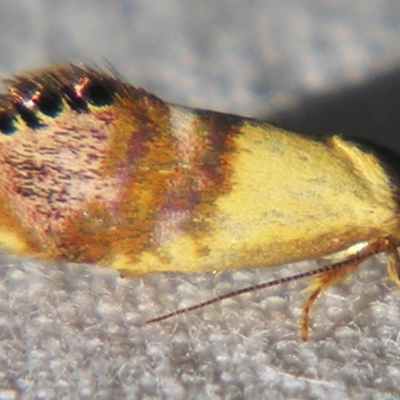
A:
x: 93, y: 169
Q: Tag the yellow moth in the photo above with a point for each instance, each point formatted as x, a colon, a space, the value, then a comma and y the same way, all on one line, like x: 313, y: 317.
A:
x: 93, y: 169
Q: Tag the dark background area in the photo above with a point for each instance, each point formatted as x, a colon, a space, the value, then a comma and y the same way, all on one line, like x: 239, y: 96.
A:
x: 370, y: 110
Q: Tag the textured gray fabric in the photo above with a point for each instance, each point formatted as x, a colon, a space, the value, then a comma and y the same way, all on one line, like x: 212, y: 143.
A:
x: 69, y: 331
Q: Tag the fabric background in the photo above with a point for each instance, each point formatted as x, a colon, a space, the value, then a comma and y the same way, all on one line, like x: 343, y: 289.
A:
x: 327, y: 66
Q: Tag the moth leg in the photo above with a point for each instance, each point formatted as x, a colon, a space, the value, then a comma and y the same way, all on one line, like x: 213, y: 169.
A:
x: 320, y: 283
x: 393, y: 265
x: 340, y: 270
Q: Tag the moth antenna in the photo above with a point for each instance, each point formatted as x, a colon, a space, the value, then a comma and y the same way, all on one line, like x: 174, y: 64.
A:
x: 275, y: 282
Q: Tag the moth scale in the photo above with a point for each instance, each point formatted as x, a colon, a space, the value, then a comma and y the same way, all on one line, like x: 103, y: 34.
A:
x: 95, y: 170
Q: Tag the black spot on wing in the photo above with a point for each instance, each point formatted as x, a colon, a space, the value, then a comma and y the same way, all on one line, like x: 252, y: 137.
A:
x: 28, y: 115
x: 74, y: 99
x: 49, y: 102
x: 99, y: 92
x: 7, y: 121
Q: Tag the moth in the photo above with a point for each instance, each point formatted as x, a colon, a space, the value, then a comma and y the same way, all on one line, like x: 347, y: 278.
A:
x: 96, y: 170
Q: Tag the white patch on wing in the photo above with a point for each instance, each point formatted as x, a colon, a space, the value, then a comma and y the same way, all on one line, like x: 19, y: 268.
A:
x: 182, y: 127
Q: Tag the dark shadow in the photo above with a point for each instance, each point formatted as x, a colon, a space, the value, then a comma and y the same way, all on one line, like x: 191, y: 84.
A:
x: 369, y: 111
